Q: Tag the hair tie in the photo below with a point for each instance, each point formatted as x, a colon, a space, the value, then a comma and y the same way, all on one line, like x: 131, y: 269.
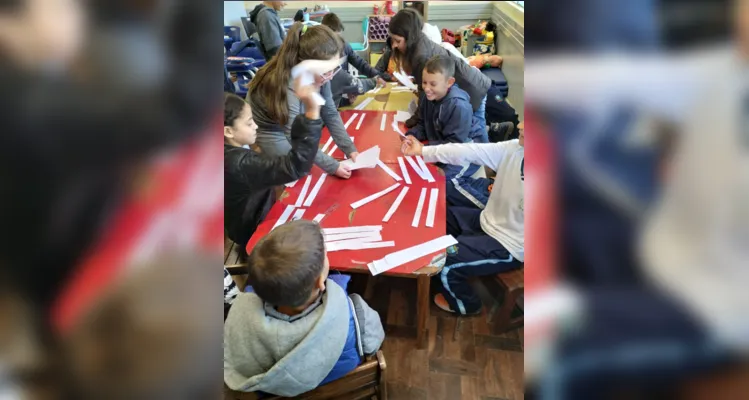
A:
x: 304, y: 30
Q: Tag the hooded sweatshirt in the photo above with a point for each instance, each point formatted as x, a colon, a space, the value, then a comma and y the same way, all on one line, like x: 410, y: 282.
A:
x: 270, y: 352
x: 269, y: 29
x: 448, y: 120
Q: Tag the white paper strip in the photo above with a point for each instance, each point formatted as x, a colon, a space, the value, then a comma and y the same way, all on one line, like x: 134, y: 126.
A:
x: 291, y: 184
x: 395, y: 205
x: 382, y: 123
x: 432, y: 207
x: 404, y: 171
x: 416, y: 167
x: 315, y: 190
x: 375, y: 196
x: 356, y: 245
x: 424, y: 168
x: 335, y: 147
x: 419, y: 207
x: 348, y: 229
x: 319, y: 218
x: 327, y: 144
x: 298, y: 214
x: 389, y: 171
x: 300, y: 199
x: 371, y: 236
x: 404, y: 80
x: 402, y: 116
x: 284, y: 216
x: 397, y: 128
x: 364, y: 103
x: 404, y: 256
x: 358, y: 124
x: 350, y: 120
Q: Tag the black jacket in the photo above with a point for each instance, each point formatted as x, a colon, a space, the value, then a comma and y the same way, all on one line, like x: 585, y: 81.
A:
x: 249, y: 178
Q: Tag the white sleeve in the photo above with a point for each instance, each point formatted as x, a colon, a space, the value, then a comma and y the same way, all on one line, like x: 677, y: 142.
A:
x: 486, y: 154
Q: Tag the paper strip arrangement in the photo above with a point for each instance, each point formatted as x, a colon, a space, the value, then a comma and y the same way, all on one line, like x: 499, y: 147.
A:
x: 389, y: 171
x: 358, y: 124
x: 366, y: 159
x: 298, y: 214
x: 416, y: 168
x: 432, y: 207
x: 284, y: 216
x: 395, y: 205
x: 356, y: 245
x: 404, y: 171
x: 364, y: 103
x: 350, y: 120
x: 319, y: 218
x: 316, y: 189
x: 382, y: 123
x: 424, y: 169
x: 300, y: 199
x: 335, y: 147
x: 419, y: 207
x: 404, y: 256
x: 348, y: 229
x: 327, y: 144
x: 367, y: 236
x: 375, y: 196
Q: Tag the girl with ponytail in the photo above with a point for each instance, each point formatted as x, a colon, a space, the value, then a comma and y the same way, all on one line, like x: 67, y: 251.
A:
x: 275, y: 104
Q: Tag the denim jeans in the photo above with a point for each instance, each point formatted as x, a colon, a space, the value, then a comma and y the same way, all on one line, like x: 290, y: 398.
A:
x: 480, y: 117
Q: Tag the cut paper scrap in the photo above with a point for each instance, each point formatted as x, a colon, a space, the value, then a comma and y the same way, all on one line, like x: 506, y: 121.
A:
x: 404, y: 171
x: 404, y: 256
x: 373, y: 197
x: 397, y: 128
x: 356, y: 245
x: 298, y: 214
x: 308, y: 69
x: 350, y: 120
x: 358, y: 124
x: 347, y: 229
x: 315, y: 190
x: 389, y: 171
x: 327, y: 144
x: 284, y: 216
x: 419, y: 207
x: 415, y: 166
x: 368, y: 236
x: 382, y: 123
x: 335, y: 147
x: 432, y: 207
x: 319, y: 218
x: 424, y: 169
x: 395, y: 205
x: 303, y: 193
x: 366, y: 159
x: 291, y: 184
x: 404, y: 80
x: 402, y: 116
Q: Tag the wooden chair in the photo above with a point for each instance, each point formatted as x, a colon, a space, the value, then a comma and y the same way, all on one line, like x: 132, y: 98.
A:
x: 513, y: 284
x: 367, y: 381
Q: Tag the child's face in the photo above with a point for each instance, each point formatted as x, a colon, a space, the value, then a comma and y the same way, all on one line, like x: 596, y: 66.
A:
x: 398, y: 42
x: 435, y: 85
x: 244, y: 130
x: 44, y: 32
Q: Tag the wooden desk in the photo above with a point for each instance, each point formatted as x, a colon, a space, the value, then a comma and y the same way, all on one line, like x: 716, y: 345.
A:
x: 336, y: 195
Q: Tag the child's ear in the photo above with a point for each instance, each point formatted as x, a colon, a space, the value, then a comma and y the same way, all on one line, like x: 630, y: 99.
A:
x: 320, y: 283
x: 228, y: 133
x: 450, y: 81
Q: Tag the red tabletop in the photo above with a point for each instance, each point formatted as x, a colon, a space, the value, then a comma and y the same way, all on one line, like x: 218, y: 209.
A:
x: 336, y: 195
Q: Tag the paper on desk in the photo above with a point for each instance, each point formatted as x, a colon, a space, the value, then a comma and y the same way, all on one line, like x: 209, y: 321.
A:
x: 404, y: 171
x: 419, y: 207
x: 358, y: 124
x: 424, y: 168
x: 395, y: 205
x: 373, y: 197
x: 367, y: 236
x: 404, y: 80
x: 356, y: 245
x: 432, y: 207
x: 404, y: 256
x: 284, y: 216
x: 347, y: 229
x: 416, y: 168
x: 316, y: 189
x: 364, y: 103
x: 298, y: 214
x: 389, y: 171
x: 402, y: 116
x: 350, y: 120
x: 382, y: 123
x: 327, y: 144
x: 366, y: 159
x: 319, y: 218
x: 307, y: 70
x: 303, y: 193
x: 397, y: 128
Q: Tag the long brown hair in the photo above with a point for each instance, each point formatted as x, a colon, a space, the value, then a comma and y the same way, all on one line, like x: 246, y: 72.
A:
x: 408, y: 24
x: 272, y: 81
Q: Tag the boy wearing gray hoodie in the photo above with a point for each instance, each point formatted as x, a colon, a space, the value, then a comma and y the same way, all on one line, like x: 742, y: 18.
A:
x: 298, y: 329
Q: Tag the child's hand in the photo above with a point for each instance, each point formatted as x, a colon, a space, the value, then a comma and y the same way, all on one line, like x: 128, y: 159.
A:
x: 343, y: 172
x: 381, y: 82
x: 411, y: 146
x: 306, y: 95
x: 353, y: 156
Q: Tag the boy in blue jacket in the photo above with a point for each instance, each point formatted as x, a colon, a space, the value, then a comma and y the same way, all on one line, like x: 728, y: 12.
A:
x: 299, y: 329
x: 446, y: 116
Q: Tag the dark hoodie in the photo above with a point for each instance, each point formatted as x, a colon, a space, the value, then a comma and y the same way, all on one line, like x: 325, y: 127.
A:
x: 269, y: 29
x: 448, y: 120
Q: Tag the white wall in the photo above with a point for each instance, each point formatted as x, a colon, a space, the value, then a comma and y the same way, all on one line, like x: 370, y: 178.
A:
x: 233, y: 10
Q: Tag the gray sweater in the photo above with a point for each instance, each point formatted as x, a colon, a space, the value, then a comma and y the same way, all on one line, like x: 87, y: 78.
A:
x: 273, y: 138
x: 267, y: 351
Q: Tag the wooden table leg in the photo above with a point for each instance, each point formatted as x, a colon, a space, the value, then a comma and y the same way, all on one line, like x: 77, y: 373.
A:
x: 422, y: 310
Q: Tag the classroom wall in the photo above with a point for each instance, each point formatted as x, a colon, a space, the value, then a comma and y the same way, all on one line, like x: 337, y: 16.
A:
x: 233, y: 10
x: 510, y: 45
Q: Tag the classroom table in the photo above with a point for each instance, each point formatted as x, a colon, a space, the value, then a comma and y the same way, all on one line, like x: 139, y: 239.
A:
x: 336, y: 195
